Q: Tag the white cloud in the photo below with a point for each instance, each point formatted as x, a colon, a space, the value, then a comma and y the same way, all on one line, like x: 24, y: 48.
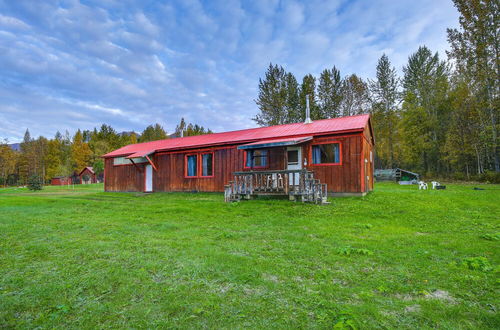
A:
x: 12, y: 23
x: 130, y: 65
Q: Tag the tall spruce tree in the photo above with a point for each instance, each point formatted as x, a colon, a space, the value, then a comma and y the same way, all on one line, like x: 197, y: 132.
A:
x: 384, y: 96
x: 292, y: 101
x: 272, y: 97
x: 308, y: 89
x: 330, y: 93
x: 355, y: 96
x: 26, y: 158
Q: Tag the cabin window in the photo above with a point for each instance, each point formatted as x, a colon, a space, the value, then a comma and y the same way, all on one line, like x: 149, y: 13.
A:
x: 207, y: 164
x: 328, y: 153
x: 293, y: 157
x: 191, y: 165
x: 127, y: 161
x: 199, y: 165
x: 256, y: 158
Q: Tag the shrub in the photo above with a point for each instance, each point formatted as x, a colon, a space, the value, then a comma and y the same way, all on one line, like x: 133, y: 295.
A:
x: 363, y: 225
x: 491, y: 237
x: 477, y: 263
x: 347, y: 251
x: 491, y: 177
x: 35, y: 182
x: 459, y: 176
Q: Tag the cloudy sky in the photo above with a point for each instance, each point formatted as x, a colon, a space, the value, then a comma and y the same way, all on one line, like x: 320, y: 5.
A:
x: 77, y: 64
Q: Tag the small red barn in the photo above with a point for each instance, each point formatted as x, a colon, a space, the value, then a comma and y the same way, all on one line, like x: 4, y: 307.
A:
x: 338, y: 153
x: 87, y: 175
x: 60, y: 181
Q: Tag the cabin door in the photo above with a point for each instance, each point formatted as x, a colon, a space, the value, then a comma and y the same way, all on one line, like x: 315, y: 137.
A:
x: 294, y: 162
x: 148, y: 179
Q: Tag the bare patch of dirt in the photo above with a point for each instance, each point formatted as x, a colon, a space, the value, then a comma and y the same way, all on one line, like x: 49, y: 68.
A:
x: 405, y: 297
x: 271, y: 278
x: 441, y: 295
x: 412, y: 309
x: 339, y: 282
x: 252, y: 291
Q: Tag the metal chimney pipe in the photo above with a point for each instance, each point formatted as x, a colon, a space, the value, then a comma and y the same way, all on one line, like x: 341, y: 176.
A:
x: 308, y: 111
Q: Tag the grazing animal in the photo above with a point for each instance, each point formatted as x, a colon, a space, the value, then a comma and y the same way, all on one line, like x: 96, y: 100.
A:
x: 435, y: 184
x: 422, y: 185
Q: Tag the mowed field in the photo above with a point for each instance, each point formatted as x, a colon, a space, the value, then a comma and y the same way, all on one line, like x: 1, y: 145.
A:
x: 397, y: 258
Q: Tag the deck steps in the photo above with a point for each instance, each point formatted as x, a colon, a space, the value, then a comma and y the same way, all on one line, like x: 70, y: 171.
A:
x: 297, y: 184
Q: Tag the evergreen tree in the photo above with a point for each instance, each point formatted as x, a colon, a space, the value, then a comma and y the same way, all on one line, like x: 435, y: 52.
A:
x: 330, y: 93
x: 180, y: 128
x: 384, y: 97
x: 153, y: 133
x: 308, y: 87
x: 355, y: 96
x: 108, y: 134
x: 292, y: 101
x: 272, y: 97
x: 35, y: 182
x: 185, y: 129
x: 26, y: 158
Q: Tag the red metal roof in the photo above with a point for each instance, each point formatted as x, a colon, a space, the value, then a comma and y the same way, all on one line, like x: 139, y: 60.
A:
x: 318, y: 127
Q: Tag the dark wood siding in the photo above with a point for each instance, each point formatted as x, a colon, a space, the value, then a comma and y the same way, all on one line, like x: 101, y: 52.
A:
x: 123, y: 177
x: 170, y: 175
x: 369, y: 157
x: 344, y: 178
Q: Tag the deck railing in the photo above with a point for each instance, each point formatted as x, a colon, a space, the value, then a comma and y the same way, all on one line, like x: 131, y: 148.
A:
x: 298, y: 184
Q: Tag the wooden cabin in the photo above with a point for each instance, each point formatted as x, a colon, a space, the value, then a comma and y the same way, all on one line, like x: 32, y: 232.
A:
x: 334, y: 153
x: 87, y: 175
x: 60, y: 181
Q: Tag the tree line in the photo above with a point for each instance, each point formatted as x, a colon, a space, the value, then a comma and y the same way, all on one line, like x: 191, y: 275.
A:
x: 440, y: 118
x: 66, y: 155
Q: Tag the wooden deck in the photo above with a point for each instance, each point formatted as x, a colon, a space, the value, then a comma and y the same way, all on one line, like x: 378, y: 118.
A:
x: 297, y: 184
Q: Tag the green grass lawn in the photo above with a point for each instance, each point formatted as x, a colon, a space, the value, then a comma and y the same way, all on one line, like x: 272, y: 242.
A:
x: 397, y: 258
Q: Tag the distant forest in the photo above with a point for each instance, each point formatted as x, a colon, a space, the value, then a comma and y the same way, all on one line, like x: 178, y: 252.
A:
x: 65, y: 155
x: 439, y: 119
